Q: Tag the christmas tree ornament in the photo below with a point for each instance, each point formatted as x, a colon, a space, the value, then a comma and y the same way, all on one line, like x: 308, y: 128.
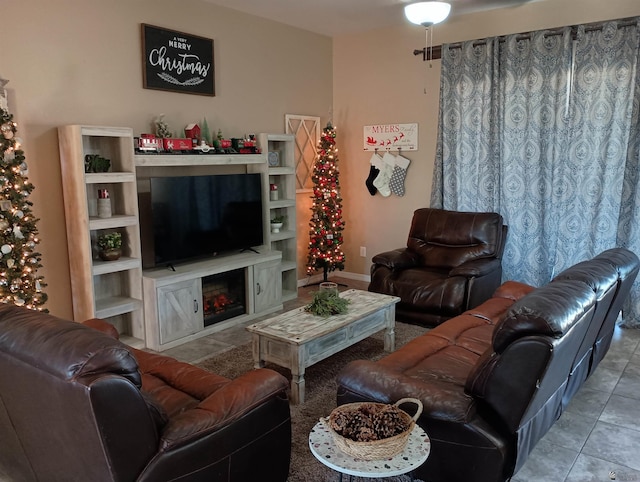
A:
x: 396, y: 183
x: 6, y: 249
x: 7, y: 130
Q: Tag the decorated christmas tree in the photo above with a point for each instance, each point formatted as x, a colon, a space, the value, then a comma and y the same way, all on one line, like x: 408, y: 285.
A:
x: 326, y: 224
x: 20, y: 283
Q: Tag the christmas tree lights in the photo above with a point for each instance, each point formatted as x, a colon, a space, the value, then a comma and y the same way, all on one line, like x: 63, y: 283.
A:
x: 326, y: 224
x: 20, y: 283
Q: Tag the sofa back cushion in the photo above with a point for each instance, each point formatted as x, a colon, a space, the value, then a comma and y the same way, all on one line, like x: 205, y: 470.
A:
x: 446, y: 239
x: 551, y: 310
x: 602, y: 278
x: 70, y: 349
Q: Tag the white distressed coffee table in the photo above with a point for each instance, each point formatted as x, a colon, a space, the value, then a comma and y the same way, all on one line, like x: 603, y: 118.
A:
x: 297, y: 339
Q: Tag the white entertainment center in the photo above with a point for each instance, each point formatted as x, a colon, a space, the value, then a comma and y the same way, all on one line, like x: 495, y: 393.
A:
x: 162, y: 307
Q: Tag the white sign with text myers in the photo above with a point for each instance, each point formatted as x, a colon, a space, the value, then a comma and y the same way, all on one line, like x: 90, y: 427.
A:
x: 391, y: 137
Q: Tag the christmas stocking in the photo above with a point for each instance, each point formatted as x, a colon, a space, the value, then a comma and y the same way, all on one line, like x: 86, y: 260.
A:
x: 386, y: 170
x: 375, y: 161
x: 396, y: 184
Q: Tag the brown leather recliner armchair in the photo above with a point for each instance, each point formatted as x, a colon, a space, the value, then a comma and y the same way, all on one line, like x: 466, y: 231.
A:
x: 452, y: 263
x: 77, y: 404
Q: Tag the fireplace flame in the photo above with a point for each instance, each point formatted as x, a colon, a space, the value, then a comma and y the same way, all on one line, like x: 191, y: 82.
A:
x: 220, y: 302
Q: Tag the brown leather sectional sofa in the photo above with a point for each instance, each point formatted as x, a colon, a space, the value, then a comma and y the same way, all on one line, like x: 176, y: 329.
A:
x: 77, y: 404
x: 495, y: 379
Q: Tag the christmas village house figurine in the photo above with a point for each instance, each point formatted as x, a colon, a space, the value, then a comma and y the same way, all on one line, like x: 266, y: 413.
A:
x: 192, y: 131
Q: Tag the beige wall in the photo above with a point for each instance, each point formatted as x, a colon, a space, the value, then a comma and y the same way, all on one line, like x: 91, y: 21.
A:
x: 377, y: 79
x: 79, y: 62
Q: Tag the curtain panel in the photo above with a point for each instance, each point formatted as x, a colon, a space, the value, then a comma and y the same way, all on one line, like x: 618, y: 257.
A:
x: 544, y: 129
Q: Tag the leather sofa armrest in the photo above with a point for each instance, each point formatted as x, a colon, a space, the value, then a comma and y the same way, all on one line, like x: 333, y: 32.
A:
x: 223, y: 407
x: 477, y: 268
x: 506, y: 382
x: 103, y: 326
x: 513, y: 290
x: 400, y: 258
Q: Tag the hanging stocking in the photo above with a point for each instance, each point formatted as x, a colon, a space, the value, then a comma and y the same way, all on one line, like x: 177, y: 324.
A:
x: 386, y: 170
x: 375, y: 161
x: 396, y: 184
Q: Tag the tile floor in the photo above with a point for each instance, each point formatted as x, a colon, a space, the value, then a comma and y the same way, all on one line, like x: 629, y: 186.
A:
x: 597, y: 439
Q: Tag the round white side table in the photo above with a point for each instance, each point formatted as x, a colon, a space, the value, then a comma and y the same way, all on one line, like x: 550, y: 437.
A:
x: 325, y: 450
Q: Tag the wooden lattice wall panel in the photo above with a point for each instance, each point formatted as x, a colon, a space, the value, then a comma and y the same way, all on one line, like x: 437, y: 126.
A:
x: 306, y: 130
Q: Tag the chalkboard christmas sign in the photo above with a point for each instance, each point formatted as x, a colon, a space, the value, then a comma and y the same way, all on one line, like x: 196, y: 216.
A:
x: 177, y: 61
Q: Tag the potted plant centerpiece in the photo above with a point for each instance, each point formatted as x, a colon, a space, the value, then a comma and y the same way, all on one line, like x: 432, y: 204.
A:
x: 110, y: 246
x: 276, y: 223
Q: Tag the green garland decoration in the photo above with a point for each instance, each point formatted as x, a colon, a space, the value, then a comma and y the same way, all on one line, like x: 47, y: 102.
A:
x: 326, y: 303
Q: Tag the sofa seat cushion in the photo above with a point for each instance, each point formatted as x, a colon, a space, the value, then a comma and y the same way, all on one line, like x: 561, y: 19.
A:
x: 434, y: 367
x: 429, y: 290
x: 175, y: 386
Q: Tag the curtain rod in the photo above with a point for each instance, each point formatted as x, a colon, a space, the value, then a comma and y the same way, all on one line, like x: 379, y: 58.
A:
x: 589, y: 27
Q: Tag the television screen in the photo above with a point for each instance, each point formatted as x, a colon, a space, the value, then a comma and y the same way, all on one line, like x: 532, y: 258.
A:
x: 201, y: 216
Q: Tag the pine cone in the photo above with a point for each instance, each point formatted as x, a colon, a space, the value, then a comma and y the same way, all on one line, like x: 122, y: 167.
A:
x: 368, y: 422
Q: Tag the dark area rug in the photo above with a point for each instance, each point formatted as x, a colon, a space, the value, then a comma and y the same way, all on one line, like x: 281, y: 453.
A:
x: 320, y: 395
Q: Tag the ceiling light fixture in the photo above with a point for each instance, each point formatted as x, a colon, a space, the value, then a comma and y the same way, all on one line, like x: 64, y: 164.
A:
x: 427, y: 13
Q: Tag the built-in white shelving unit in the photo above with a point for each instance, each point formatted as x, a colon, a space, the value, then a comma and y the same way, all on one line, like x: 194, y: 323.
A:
x: 161, y: 308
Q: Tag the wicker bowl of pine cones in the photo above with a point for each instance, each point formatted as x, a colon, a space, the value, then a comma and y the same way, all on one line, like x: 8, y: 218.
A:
x: 372, y: 431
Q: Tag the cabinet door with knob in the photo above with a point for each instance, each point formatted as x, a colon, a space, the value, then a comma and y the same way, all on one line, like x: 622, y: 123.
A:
x: 267, y: 288
x: 180, y: 310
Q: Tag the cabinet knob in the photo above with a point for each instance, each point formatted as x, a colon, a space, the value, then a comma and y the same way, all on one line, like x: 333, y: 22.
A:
x: 195, y: 306
x: 259, y: 290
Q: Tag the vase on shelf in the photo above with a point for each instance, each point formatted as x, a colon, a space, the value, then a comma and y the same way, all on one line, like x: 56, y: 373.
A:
x: 275, y: 227
x: 103, y: 204
x: 273, y: 192
x: 110, y: 254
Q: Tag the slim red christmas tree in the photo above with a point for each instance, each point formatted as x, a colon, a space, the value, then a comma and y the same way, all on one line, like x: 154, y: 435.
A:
x: 20, y: 283
x: 326, y: 225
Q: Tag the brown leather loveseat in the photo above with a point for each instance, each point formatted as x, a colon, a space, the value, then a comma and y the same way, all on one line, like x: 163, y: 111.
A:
x: 77, y: 404
x: 495, y: 379
x: 452, y: 262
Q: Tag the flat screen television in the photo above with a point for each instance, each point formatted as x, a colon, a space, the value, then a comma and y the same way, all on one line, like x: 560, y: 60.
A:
x: 189, y: 217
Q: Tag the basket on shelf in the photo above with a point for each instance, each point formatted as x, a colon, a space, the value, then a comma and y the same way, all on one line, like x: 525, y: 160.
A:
x: 377, y: 448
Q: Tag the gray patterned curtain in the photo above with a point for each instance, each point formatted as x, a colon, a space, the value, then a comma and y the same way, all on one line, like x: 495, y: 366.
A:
x: 543, y: 128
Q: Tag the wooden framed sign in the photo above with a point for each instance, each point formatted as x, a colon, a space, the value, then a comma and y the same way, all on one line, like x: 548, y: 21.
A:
x: 177, y: 62
x: 391, y: 137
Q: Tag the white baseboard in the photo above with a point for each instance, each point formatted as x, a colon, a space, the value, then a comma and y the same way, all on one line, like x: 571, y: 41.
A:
x: 316, y: 278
